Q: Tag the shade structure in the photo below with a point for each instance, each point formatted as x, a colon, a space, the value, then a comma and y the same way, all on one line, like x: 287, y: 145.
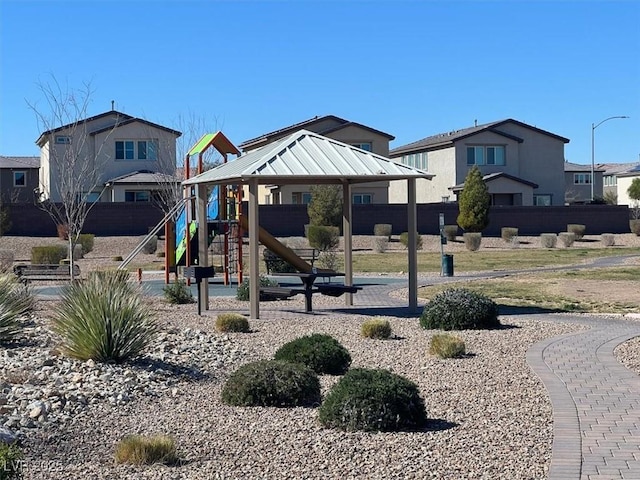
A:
x: 305, y: 157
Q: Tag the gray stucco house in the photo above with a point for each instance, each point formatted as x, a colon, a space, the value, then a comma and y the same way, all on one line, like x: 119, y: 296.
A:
x: 521, y: 164
x: 18, y: 178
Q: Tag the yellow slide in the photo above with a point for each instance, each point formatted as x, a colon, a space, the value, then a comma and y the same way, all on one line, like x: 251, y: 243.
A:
x: 278, y: 248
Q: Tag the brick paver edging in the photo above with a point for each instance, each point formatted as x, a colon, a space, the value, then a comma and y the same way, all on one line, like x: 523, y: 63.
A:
x: 595, y: 400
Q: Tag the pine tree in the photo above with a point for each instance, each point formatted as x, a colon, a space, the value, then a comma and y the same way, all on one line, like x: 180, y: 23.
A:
x: 474, y: 203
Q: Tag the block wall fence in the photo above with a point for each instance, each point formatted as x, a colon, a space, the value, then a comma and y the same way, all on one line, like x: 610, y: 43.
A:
x: 114, y: 219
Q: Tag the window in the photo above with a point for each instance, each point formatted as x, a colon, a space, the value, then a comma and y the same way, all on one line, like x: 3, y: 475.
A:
x: 361, y: 198
x: 542, y: 200
x: 19, y: 179
x: 137, y: 196
x: 63, y: 139
x: 418, y: 160
x: 141, y: 150
x: 490, y: 155
x: 363, y: 146
x: 610, y: 180
x: 88, y: 197
x: 301, y: 198
x: 582, y: 179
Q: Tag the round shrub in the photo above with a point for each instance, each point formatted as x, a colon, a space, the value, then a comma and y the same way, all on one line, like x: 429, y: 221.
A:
x: 472, y: 240
x: 460, y: 309
x: 323, y: 237
x: 232, y: 322
x: 508, y: 233
x: 383, y: 230
x: 272, y: 383
x: 548, y: 240
x: 577, y: 229
x: 567, y: 238
x: 404, y: 240
x: 373, y: 400
x: 444, y: 345
x: 48, y: 254
x: 634, y: 226
x: 376, y: 328
x: 178, y: 293
x: 87, y: 241
x: 321, y: 353
x: 450, y: 232
x: 608, y: 239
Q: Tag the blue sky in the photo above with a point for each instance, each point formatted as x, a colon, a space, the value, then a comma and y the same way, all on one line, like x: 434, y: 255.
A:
x: 408, y: 68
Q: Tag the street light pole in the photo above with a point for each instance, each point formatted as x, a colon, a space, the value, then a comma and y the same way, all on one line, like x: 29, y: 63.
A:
x: 593, y: 154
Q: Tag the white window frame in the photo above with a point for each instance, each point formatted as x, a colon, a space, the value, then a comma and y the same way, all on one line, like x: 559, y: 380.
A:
x: 24, y: 178
x: 135, y: 195
x: 366, y: 146
x: 483, y: 150
x: 62, y: 139
x: 137, y: 150
x: 582, y: 178
x: 543, y: 200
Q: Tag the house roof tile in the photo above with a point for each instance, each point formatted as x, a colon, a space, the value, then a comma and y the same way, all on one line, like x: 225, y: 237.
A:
x: 19, y: 162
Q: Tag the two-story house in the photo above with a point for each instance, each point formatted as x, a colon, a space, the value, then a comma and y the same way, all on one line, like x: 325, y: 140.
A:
x: 624, y: 182
x: 578, y: 188
x: 336, y: 128
x: 120, y: 158
x: 521, y: 164
x: 610, y: 177
x: 18, y: 178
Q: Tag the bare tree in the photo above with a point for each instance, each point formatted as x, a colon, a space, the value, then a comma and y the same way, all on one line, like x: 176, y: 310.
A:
x: 75, y: 161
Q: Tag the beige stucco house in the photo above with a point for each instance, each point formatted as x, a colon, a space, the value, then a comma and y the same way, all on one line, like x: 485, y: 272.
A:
x: 521, y: 164
x: 119, y: 158
x: 336, y: 128
x: 624, y: 182
x: 610, y: 176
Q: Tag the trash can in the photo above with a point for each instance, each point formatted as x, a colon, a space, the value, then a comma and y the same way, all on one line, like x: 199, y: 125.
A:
x: 447, y: 265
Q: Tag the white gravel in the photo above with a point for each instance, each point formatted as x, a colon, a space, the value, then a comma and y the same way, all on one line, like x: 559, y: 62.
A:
x: 490, y: 414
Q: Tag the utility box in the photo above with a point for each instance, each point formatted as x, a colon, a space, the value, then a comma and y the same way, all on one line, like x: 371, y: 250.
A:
x: 447, y: 265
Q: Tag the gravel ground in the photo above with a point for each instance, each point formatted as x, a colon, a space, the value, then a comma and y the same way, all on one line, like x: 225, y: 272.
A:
x: 490, y: 414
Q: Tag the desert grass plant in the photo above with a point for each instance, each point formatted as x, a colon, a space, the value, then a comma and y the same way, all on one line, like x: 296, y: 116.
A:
x: 272, y: 383
x: 178, y: 293
x: 450, y: 232
x: 244, y: 288
x: 508, y: 233
x: 634, y: 226
x: 577, y: 229
x: 143, y: 450
x: 151, y: 246
x: 373, y: 400
x: 6, y: 260
x: 460, y: 309
x: 380, y: 244
x: 322, y: 353
x: 48, y: 254
x: 16, y: 300
x: 383, y: 230
x: 567, y: 238
x: 548, y: 240
x: 377, y: 328
x: 104, y: 318
x: 404, y: 240
x: 472, y: 240
x: 232, y: 322
x: 608, y: 239
x: 117, y: 258
x: 11, y: 458
x: 444, y: 345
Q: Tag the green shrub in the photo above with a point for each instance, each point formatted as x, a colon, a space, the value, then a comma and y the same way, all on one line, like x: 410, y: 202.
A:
x: 474, y: 202
x: 139, y: 450
x: 103, y: 318
x: 450, y: 232
x: 276, y: 264
x: 567, y: 238
x: 507, y: 233
x: 460, y: 309
x: 48, y: 254
x: 472, y: 240
x: 232, y: 322
x: 272, y: 383
x: 117, y: 258
x: 608, y: 239
x: 380, y: 244
x: 178, y: 293
x: 151, y: 246
x: 321, y: 353
x: 325, y: 207
x: 16, y: 301
x: 548, y: 240
x: 87, y: 241
x: 373, y: 400
x: 404, y: 240
x: 444, y: 345
x: 10, y: 461
x: 577, y: 230
x: 634, y: 226
x: 376, y: 328
x: 243, y: 288
x: 323, y: 237
x: 383, y: 230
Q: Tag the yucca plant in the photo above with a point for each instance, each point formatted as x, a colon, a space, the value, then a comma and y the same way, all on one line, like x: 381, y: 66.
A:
x: 104, y: 318
x: 16, y: 300
x: 140, y: 450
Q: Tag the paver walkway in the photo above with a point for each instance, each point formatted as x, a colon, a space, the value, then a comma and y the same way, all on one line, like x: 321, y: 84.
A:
x: 596, y: 401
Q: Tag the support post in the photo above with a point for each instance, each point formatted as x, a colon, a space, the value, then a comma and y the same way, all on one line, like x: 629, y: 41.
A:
x: 412, y: 216
x: 203, y: 260
x: 348, y: 244
x: 254, y: 262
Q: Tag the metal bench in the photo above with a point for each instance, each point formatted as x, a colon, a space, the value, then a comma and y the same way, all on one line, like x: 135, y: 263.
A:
x: 274, y: 262
x: 27, y: 273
